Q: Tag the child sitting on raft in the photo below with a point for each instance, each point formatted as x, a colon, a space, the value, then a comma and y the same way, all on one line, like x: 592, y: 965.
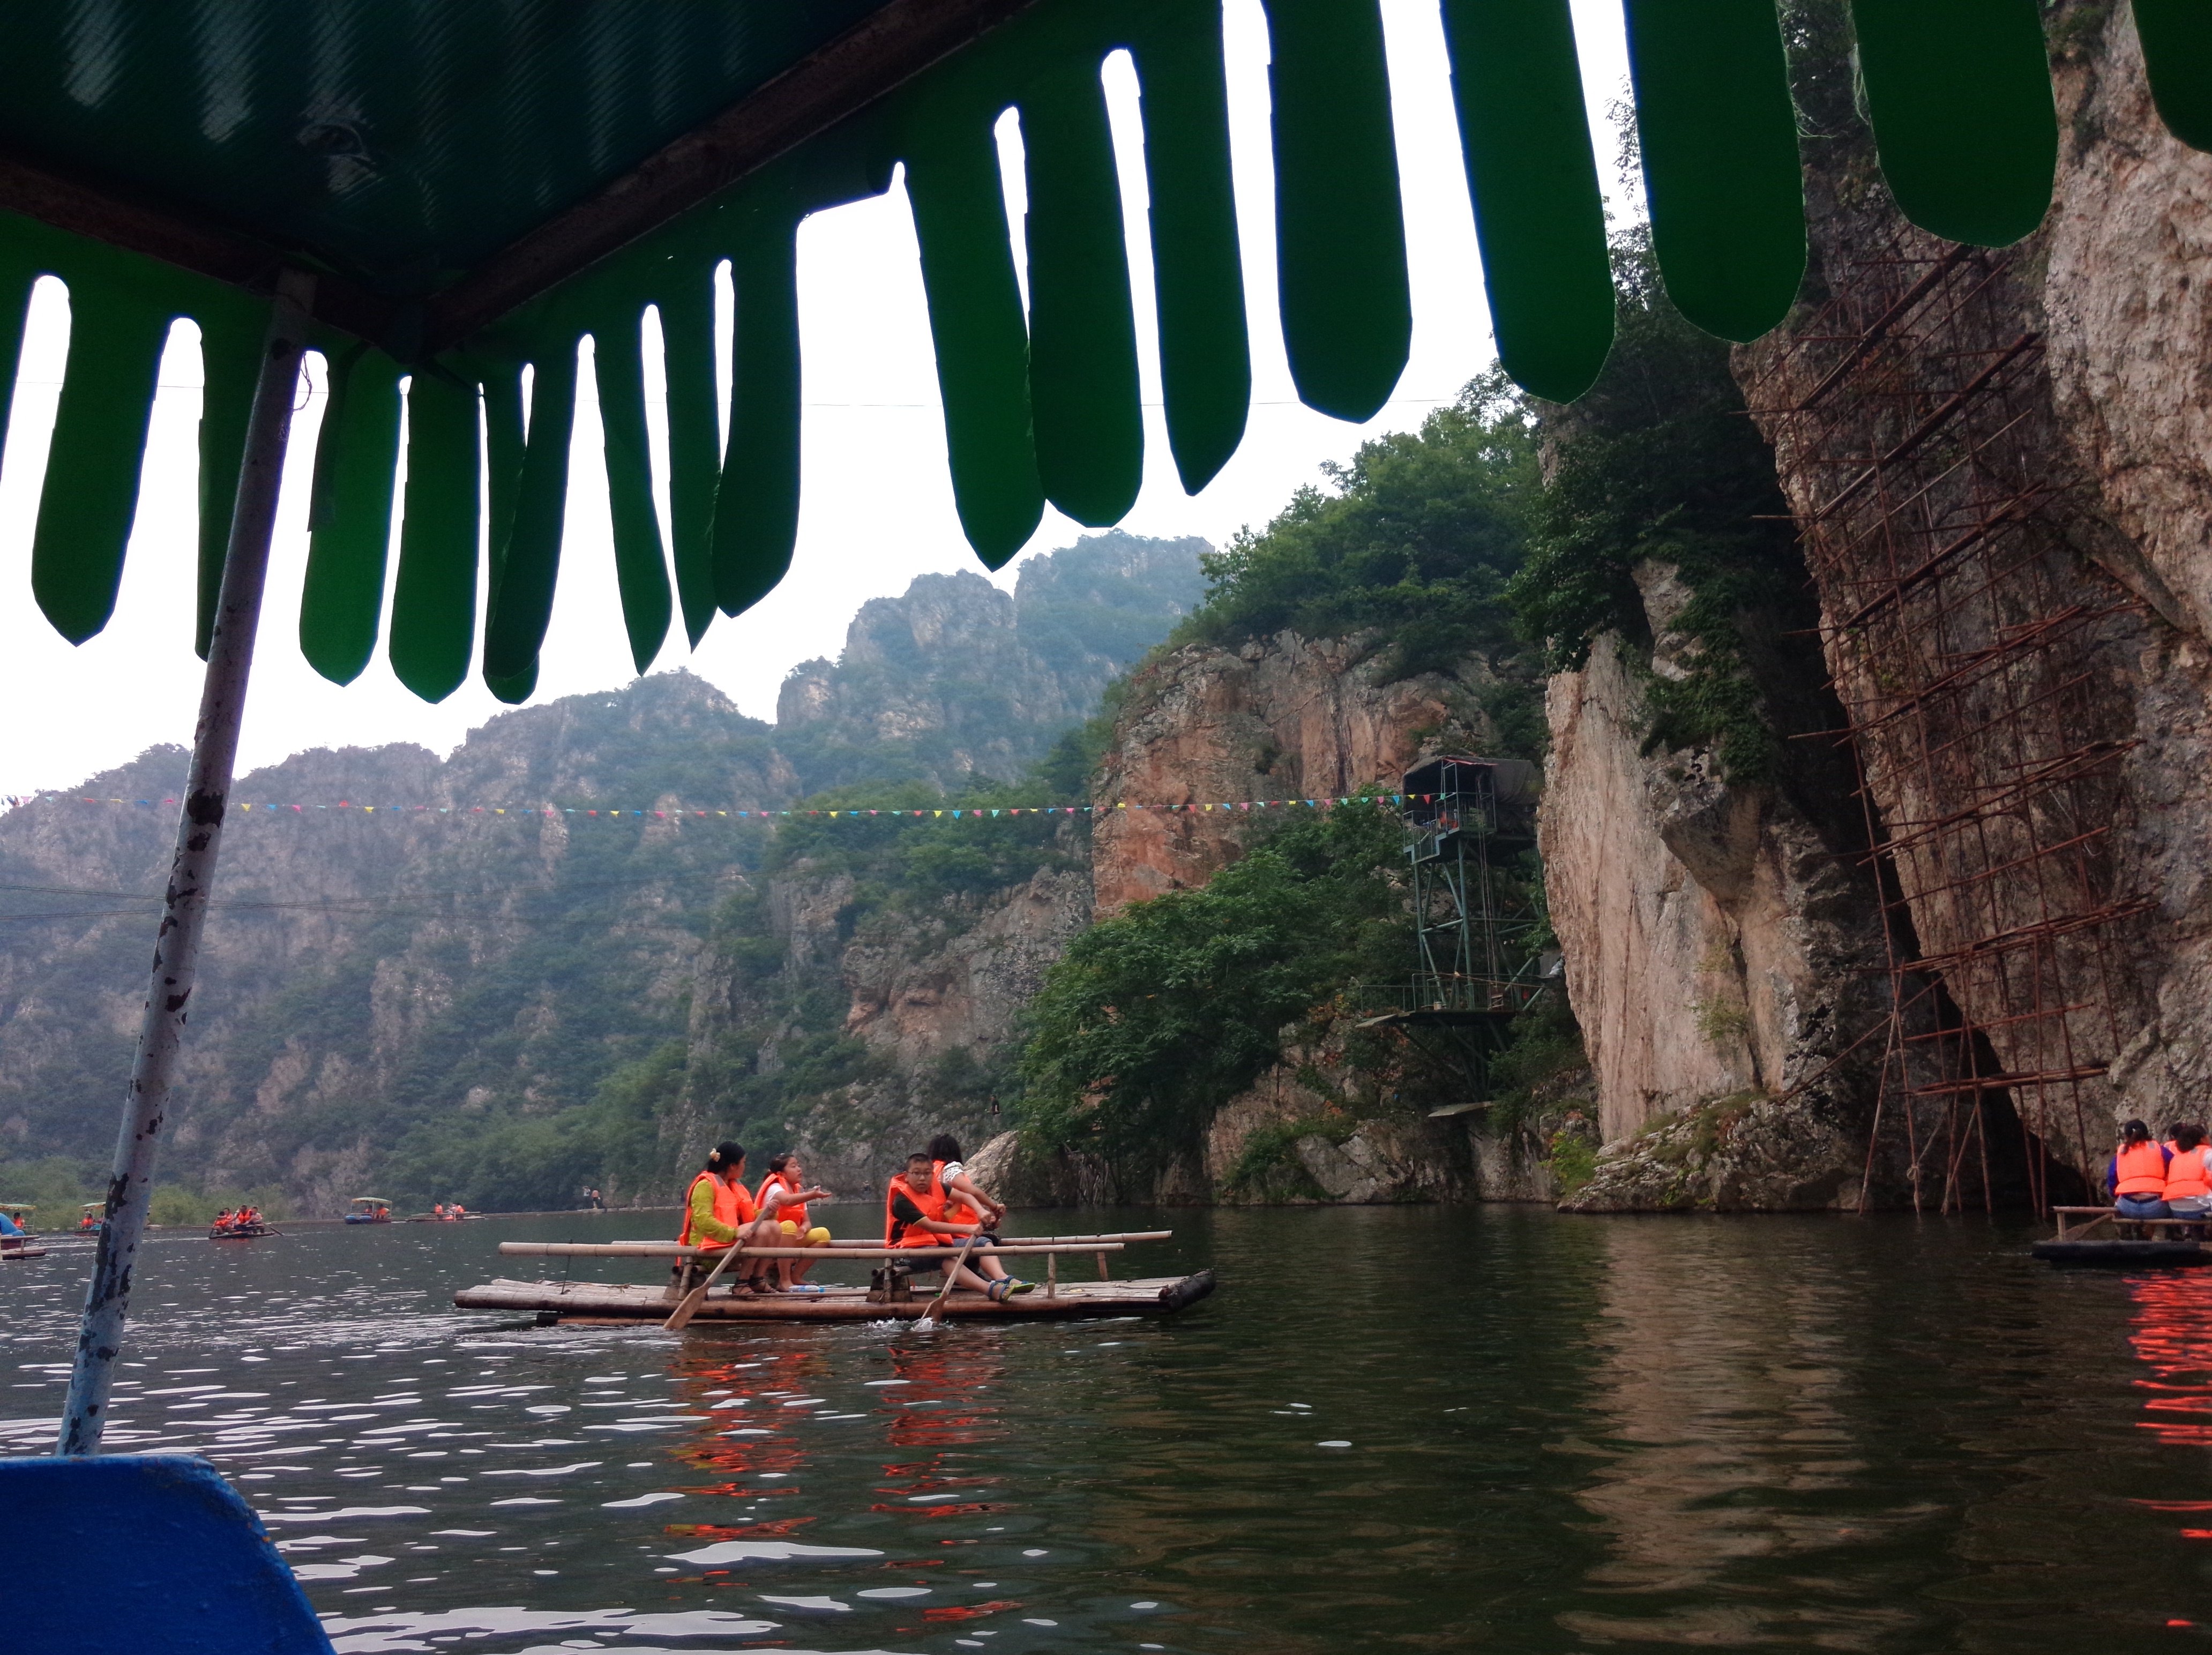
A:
x: 2188, y: 1192
x: 2137, y: 1173
x: 783, y: 1197
x: 718, y: 1209
x: 915, y: 1215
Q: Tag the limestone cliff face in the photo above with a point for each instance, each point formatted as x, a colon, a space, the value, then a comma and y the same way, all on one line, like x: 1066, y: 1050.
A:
x: 925, y: 1003
x: 955, y: 677
x: 368, y: 974
x: 1720, y: 953
x: 2105, y: 447
x: 1288, y: 718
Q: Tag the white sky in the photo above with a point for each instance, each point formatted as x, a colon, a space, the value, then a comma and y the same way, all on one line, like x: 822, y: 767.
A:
x: 876, y: 507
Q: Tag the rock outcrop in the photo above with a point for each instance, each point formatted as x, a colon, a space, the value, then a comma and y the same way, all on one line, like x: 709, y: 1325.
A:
x: 955, y: 677
x: 1722, y: 950
x: 2092, y: 624
x: 1286, y: 718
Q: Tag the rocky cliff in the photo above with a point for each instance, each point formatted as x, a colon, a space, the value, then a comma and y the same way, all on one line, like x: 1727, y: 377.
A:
x: 958, y: 679
x: 2002, y: 461
x: 385, y: 983
x: 2016, y: 606
x: 1283, y: 718
x: 399, y: 988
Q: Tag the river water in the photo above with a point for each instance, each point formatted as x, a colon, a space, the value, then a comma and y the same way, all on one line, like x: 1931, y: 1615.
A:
x: 1408, y: 1428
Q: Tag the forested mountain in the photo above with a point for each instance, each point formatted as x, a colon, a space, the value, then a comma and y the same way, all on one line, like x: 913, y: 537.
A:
x: 956, y: 679
x: 446, y: 1002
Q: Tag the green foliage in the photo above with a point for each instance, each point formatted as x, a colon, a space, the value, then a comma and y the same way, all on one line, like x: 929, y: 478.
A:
x: 1573, y: 1161
x: 1267, y: 1166
x: 897, y: 858
x: 56, y: 1185
x: 1660, y: 465
x: 1157, y: 1016
x: 516, y: 1163
x: 1417, y: 543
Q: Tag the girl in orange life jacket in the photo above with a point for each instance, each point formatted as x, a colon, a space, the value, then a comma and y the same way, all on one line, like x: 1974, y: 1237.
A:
x: 915, y: 1207
x: 965, y: 1202
x: 2188, y: 1192
x: 783, y: 1197
x: 970, y: 1205
x: 718, y: 1210
x: 2138, y: 1173
x: 947, y: 1209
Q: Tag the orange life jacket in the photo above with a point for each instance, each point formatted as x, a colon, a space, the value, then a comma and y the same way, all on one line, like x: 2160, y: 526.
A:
x: 932, y: 1205
x: 2187, y: 1175
x: 793, y: 1211
x: 956, y: 1209
x: 2140, y: 1170
x: 733, y: 1206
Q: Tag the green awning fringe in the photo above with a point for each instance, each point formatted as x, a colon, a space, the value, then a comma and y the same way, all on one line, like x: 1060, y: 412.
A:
x: 1043, y: 407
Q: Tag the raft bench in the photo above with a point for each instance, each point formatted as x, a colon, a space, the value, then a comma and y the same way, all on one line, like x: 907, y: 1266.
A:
x: 2078, y: 1242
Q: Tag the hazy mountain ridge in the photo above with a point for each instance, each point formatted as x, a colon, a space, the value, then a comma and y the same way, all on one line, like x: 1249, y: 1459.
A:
x: 497, y: 1006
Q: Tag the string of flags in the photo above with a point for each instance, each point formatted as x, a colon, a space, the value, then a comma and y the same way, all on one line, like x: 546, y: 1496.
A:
x: 953, y: 812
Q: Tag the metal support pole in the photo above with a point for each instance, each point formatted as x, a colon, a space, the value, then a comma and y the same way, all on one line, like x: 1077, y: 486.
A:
x: 199, y: 834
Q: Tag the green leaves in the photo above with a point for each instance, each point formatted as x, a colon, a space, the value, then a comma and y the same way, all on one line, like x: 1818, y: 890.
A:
x: 1157, y: 1016
x: 1419, y: 541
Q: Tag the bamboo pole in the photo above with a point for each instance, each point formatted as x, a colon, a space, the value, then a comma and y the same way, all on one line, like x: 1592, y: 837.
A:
x: 671, y: 1250
x: 680, y: 1317
x: 952, y: 1273
x: 191, y: 870
x: 1078, y: 1242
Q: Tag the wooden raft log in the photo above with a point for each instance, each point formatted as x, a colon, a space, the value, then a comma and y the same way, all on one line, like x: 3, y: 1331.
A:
x: 671, y: 1250
x: 595, y: 1301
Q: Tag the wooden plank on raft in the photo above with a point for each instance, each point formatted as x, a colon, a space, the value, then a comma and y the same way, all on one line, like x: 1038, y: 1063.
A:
x: 630, y: 1302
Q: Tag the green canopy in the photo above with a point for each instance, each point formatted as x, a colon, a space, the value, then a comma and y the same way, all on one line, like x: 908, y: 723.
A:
x: 478, y: 184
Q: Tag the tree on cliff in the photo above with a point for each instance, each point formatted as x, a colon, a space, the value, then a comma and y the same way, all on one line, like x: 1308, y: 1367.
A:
x: 1659, y: 465
x: 1416, y: 543
x: 1157, y: 1017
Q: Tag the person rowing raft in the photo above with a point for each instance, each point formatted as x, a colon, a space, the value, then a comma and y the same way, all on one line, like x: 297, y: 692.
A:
x: 915, y: 1215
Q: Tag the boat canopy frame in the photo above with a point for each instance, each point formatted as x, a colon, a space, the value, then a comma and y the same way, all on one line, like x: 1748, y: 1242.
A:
x: 523, y: 239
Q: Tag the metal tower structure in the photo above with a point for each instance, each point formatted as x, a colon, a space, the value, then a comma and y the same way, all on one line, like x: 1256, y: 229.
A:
x: 1467, y: 818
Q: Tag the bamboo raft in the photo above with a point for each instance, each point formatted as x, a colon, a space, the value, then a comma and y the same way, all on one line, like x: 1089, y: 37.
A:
x: 600, y: 1302
x: 2078, y: 1242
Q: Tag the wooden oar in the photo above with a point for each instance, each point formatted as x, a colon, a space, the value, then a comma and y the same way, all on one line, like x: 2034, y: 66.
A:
x: 952, y: 1275
x: 681, y: 1317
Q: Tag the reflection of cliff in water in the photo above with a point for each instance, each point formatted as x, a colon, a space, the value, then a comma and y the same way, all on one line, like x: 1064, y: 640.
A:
x: 1734, y: 1452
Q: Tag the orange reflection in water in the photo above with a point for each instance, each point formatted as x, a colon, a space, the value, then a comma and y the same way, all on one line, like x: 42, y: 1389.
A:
x: 2173, y: 1335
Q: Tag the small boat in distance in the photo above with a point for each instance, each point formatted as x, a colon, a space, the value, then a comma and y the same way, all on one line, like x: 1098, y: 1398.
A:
x: 368, y: 1209
x: 90, y: 1219
x: 19, y: 1246
x: 247, y: 1224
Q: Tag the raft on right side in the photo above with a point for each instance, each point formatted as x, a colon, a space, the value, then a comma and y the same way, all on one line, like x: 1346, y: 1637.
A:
x: 2160, y: 1243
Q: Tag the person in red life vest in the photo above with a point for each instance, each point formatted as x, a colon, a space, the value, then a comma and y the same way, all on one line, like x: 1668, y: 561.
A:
x: 2188, y: 1192
x: 2137, y: 1173
x: 915, y: 1214
x: 718, y: 1210
x: 225, y: 1218
x: 966, y: 1202
x: 437, y: 1211
x: 783, y: 1197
